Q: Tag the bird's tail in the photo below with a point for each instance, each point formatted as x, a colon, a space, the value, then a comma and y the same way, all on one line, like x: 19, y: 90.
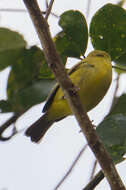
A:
x: 38, y: 129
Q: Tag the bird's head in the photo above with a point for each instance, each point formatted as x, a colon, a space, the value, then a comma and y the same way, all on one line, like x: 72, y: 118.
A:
x: 100, y: 54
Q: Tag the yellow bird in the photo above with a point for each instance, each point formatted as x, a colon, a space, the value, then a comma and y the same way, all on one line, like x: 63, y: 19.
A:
x: 92, y: 76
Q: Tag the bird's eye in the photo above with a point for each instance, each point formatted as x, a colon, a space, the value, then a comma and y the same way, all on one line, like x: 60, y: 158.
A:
x: 100, y: 55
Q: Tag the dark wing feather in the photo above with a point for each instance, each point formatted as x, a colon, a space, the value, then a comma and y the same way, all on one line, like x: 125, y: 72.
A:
x: 50, y: 98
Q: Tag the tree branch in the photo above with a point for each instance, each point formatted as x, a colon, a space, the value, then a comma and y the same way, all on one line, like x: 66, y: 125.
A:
x: 88, y: 8
x: 49, y: 8
x: 71, y: 93
x: 13, y: 10
x: 94, y: 169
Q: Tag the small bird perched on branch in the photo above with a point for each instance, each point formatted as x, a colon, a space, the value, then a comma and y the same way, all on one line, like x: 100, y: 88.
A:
x: 92, y: 76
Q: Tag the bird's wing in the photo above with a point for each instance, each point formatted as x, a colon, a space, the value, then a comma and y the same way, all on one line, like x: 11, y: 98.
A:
x: 56, y: 87
x: 51, y: 97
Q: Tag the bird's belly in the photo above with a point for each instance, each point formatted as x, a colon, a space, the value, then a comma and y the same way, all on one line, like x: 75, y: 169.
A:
x: 91, y: 92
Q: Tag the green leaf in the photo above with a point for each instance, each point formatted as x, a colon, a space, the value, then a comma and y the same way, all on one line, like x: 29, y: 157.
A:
x: 45, y: 72
x: 66, y: 47
x: 24, y: 70
x: 108, y: 30
x: 10, y: 40
x: 8, y: 58
x: 24, y: 87
x: 72, y: 40
x: 11, y: 43
x: 5, y: 106
x: 113, y: 134
x: 27, y: 97
x: 120, y: 107
x: 33, y: 94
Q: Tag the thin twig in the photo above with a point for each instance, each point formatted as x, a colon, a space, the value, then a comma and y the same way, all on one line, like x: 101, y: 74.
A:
x: 47, y: 5
x: 95, y: 181
x: 6, y: 125
x: 24, y: 11
x: 120, y: 68
x: 13, y: 10
x: 117, y: 85
x: 48, y: 11
x: 88, y: 8
x: 94, y: 169
x: 71, y: 167
x: 54, y: 14
x: 115, y: 98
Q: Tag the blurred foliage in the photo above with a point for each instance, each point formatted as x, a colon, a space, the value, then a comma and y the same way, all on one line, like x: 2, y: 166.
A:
x: 112, y: 132
x: 11, y: 43
x: 32, y: 94
x: 120, y: 105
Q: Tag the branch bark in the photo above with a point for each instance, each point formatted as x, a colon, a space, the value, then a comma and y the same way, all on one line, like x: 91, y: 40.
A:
x: 70, y: 91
